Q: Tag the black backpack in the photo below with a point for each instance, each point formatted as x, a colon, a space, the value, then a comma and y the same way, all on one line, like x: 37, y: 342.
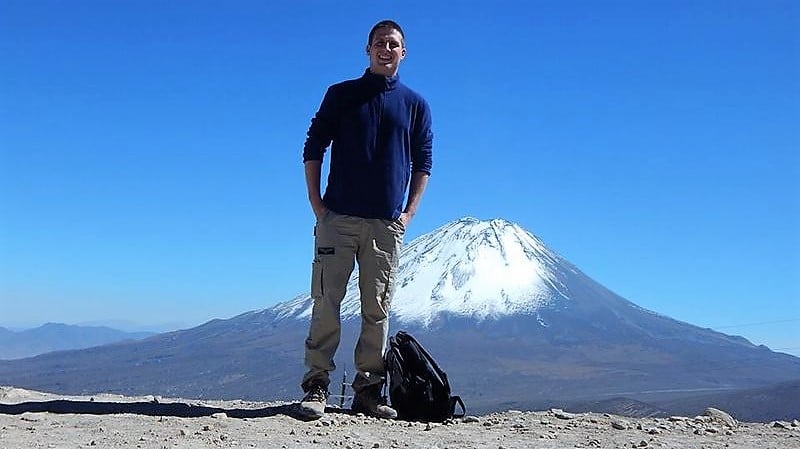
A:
x: 418, y: 388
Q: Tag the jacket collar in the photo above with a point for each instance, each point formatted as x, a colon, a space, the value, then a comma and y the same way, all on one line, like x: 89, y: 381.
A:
x: 381, y: 82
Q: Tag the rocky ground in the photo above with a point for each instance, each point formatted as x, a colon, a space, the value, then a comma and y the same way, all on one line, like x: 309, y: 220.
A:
x: 38, y: 420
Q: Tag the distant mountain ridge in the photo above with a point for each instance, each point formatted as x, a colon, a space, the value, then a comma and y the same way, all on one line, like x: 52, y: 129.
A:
x: 58, y: 337
x: 513, y: 324
x: 134, y: 327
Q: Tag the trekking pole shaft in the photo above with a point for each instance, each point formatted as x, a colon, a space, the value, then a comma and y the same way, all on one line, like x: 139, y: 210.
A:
x: 341, y: 397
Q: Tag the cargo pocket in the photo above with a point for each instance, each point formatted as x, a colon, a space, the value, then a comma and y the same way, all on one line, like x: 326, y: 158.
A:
x: 316, y: 279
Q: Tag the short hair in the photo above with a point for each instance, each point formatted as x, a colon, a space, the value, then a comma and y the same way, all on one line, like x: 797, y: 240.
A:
x: 386, y: 24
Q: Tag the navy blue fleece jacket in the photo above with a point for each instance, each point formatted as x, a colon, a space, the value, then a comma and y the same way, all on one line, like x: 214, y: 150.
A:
x: 379, y: 132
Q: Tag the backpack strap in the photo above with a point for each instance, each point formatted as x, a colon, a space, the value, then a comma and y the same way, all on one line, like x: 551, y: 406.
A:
x: 404, y: 337
x: 456, y: 400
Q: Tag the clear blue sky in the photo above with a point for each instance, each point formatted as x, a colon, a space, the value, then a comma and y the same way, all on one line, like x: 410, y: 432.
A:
x: 150, y: 164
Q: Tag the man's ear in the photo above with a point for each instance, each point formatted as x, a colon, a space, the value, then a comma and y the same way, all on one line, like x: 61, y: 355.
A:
x: 367, y: 49
x: 403, y: 54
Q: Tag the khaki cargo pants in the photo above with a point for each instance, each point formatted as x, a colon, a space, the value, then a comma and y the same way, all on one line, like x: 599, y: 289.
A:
x: 339, y: 241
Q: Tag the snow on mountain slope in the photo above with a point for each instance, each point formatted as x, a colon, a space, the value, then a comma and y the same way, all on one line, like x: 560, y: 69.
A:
x: 469, y: 267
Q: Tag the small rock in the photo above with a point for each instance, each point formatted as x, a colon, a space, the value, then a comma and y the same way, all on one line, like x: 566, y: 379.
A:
x: 654, y: 432
x: 678, y: 418
x: 182, y: 432
x: 561, y: 414
x: 780, y: 425
x: 721, y: 417
x: 376, y: 445
x: 643, y: 443
x: 795, y: 423
x: 619, y: 425
x: 220, y: 415
x: 471, y: 419
x: 428, y: 426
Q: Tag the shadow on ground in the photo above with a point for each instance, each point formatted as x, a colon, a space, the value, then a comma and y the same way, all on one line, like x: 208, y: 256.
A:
x: 176, y: 409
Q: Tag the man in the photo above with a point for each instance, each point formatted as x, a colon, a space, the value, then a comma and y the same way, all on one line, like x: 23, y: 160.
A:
x: 380, y: 136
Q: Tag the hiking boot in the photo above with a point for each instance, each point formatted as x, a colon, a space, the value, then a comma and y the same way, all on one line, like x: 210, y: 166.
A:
x: 371, y: 403
x: 313, y: 404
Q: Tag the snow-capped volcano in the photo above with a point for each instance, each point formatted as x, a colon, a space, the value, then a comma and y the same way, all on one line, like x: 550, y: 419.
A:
x: 469, y: 268
x: 513, y: 324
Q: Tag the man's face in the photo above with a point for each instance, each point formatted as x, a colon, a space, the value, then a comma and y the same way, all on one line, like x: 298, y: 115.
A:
x: 386, y: 51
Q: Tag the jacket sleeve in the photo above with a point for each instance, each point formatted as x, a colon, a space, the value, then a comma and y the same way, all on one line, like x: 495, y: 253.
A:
x: 322, y: 129
x: 422, y: 140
